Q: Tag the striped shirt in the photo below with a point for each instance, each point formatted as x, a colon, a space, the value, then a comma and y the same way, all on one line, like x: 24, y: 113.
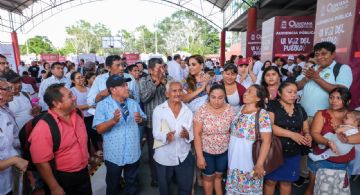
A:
x: 151, y: 95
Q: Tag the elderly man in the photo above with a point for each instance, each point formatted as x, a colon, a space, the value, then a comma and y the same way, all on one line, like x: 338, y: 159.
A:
x: 57, y: 70
x: 116, y: 118
x: 71, y: 157
x: 174, y: 157
x: 9, y: 142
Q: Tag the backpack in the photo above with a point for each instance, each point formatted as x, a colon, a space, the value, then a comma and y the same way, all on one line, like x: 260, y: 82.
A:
x: 55, y: 133
x: 336, y: 69
x: 26, y: 95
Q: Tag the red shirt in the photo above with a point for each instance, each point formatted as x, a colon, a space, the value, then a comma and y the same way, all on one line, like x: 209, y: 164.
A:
x: 72, y: 154
x: 327, y: 128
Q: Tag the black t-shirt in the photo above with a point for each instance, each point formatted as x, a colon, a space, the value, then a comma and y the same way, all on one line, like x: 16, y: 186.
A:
x: 293, y: 123
x: 34, y: 71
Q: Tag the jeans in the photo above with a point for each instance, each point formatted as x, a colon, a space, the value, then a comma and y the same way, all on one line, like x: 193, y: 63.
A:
x: 215, y: 163
x: 184, y: 172
x: 315, y: 165
x: 113, y: 176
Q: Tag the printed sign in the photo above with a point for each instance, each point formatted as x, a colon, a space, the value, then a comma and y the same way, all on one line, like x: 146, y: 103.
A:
x: 8, y: 51
x: 287, y: 35
x: 335, y: 23
x: 253, y: 44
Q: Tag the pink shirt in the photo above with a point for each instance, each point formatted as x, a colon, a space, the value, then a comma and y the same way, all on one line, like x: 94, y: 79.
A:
x: 215, y: 129
x: 72, y: 154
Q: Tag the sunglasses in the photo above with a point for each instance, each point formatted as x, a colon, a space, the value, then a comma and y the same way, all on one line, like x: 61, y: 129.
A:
x: 4, y: 63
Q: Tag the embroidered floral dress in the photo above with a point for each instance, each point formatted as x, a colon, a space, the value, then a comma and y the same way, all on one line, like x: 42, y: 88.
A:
x: 240, y: 165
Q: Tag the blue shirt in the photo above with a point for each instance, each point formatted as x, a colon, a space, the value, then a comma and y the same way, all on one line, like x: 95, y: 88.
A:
x: 314, y: 97
x: 134, y: 88
x: 99, y: 85
x: 122, y: 141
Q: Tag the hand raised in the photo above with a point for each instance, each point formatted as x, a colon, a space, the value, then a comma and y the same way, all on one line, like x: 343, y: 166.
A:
x: 117, y: 115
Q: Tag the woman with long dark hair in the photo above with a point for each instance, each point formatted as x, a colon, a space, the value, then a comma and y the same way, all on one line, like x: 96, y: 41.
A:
x: 80, y: 91
x: 326, y: 121
x: 196, y: 83
x: 271, y: 81
x: 289, y: 123
x: 234, y: 90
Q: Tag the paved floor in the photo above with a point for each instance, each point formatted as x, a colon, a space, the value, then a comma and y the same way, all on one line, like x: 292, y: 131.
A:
x: 98, y: 182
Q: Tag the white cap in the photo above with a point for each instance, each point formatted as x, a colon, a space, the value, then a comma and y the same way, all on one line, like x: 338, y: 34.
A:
x: 291, y: 57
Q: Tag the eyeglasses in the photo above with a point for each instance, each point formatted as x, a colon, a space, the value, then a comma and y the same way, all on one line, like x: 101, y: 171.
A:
x: 4, y: 63
x: 8, y: 88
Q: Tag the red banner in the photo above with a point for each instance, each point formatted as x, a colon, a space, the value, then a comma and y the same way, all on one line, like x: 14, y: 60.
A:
x: 335, y: 23
x: 294, y: 35
x: 287, y: 35
x: 131, y: 58
x: 339, y: 22
x: 253, y: 44
x: 51, y: 58
x: 62, y: 58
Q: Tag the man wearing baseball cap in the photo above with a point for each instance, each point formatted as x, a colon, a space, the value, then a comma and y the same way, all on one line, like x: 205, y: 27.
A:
x: 289, y: 67
x: 116, y: 118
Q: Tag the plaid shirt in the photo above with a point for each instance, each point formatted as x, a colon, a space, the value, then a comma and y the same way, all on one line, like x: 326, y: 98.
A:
x: 151, y: 96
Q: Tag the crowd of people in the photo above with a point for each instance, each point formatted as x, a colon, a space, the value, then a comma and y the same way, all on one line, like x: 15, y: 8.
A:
x: 199, y: 121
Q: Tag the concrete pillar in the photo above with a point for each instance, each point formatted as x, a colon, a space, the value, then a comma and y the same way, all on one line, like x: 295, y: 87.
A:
x: 15, y: 44
x: 222, y: 47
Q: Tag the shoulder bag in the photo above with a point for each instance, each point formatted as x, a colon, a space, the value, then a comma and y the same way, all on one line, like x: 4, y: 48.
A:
x: 275, y: 157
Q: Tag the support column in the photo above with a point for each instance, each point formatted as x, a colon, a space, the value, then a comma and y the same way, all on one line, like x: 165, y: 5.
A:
x: 251, y: 26
x: 251, y: 19
x: 222, y: 47
x: 15, y: 44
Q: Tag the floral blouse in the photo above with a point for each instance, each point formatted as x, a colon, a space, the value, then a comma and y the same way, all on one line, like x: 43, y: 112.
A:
x: 243, y: 125
x: 216, y: 129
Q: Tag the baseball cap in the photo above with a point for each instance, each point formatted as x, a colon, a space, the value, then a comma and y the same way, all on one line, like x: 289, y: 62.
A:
x: 291, y: 57
x: 243, y: 61
x: 116, y: 80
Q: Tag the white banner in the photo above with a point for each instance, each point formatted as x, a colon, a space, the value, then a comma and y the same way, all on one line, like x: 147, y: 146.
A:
x: 8, y: 51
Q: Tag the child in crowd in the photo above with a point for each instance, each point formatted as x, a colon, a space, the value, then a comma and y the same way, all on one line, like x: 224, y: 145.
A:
x: 350, y: 127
